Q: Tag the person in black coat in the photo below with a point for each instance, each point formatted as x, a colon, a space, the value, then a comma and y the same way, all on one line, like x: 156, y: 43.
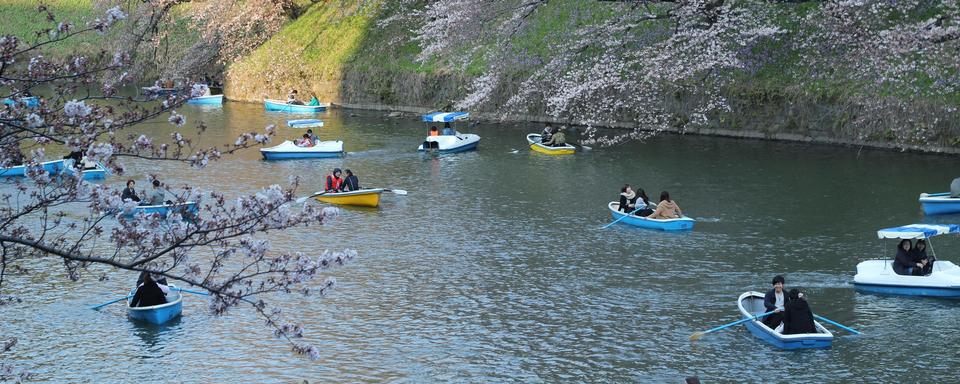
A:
x: 350, y: 183
x: 919, y: 255
x: 797, y: 318
x: 903, y: 263
x: 130, y: 193
x: 775, y: 301
x: 148, y: 294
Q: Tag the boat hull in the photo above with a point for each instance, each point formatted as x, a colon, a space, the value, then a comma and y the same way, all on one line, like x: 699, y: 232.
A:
x: 361, y: 198
x: 53, y: 167
x: 206, y: 100
x: 939, y: 203
x: 288, y: 150
x: 681, y: 224
x: 98, y: 173
x: 451, y: 143
x: 281, y: 106
x: 158, y: 314
x: 877, y: 276
x: 750, y: 304
x: 534, y: 140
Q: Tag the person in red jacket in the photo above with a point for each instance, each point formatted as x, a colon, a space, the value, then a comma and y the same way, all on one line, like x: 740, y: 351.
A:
x: 333, y: 181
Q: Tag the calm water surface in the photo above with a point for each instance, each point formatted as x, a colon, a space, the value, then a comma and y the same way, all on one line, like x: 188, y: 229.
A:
x: 493, y: 267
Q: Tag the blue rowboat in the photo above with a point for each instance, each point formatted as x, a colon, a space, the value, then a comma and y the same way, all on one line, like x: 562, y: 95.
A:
x: 304, y: 123
x: 97, y: 173
x: 282, y: 106
x: 681, y: 224
x: 164, y: 209
x: 206, y: 100
x: 53, y: 167
x: 751, y: 305
x: 158, y: 314
x: 30, y: 101
x: 288, y: 150
x: 939, y: 203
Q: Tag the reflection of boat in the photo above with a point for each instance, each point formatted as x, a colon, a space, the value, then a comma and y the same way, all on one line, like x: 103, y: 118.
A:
x: 53, y: 167
x: 30, y: 101
x: 289, y: 150
x: 164, y: 209
x: 206, y: 100
x: 304, y: 123
x: 158, y: 314
x: 535, y: 140
x: 680, y: 224
x: 282, y: 106
x: 751, y: 305
x: 457, y: 142
x: 361, y: 198
x: 939, y: 203
x: 878, y: 276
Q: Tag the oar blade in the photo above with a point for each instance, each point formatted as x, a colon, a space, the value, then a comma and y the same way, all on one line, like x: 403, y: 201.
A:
x: 398, y: 191
x: 696, y: 336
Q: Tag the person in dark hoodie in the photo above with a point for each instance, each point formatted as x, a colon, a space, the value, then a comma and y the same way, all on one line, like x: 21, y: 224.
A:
x: 903, y: 263
x: 350, y: 183
x: 148, y: 294
x: 775, y: 301
x: 919, y: 252
x: 797, y: 318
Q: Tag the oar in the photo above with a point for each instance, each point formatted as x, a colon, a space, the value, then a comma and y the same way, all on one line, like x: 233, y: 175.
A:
x: 582, y: 146
x: 396, y: 191
x: 315, y: 194
x: 697, y: 335
x: 95, y: 307
x: 844, y: 327
x: 621, y: 218
x: 193, y: 292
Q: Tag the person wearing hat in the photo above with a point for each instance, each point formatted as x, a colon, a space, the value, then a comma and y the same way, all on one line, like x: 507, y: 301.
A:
x: 775, y: 301
x: 798, y: 318
x: 350, y: 183
x: 333, y: 181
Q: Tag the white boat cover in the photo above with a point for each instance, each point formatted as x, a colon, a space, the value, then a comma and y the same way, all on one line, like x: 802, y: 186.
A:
x: 918, y: 231
x: 445, y: 117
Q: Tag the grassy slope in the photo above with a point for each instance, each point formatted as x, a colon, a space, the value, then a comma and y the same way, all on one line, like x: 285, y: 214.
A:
x: 22, y: 19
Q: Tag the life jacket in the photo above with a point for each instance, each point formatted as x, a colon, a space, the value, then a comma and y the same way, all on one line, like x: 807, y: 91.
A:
x: 333, y: 183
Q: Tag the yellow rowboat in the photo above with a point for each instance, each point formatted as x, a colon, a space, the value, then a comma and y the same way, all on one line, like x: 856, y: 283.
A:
x: 535, y: 139
x: 361, y: 198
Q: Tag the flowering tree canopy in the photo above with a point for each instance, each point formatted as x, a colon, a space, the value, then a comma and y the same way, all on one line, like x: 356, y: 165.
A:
x: 75, y: 104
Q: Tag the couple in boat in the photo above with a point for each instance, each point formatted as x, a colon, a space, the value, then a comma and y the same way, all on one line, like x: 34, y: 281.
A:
x: 334, y: 183
x: 912, y: 260
x: 638, y: 204
x: 309, y: 139
x: 790, y: 309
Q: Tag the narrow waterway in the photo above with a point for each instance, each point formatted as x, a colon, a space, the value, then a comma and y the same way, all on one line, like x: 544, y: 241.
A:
x: 494, y: 268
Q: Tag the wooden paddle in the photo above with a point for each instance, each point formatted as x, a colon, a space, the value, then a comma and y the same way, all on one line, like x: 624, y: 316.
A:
x: 697, y: 335
x: 315, y: 194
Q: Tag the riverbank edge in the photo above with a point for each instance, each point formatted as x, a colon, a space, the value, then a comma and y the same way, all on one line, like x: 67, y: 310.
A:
x: 728, y: 133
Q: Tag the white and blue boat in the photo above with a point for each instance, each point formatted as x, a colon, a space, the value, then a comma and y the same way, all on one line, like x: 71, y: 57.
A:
x: 939, y: 203
x: 282, y: 106
x: 206, y: 100
x: 878, y: 276
x: 288, y: 150
x: 679, y: 224
x: 29, y: 101
x: 163, y: 209
x: 305, y: 123
x: 158, y: 314
x: 53, y: 167
x: 458, y: 142
x: 750, y: 305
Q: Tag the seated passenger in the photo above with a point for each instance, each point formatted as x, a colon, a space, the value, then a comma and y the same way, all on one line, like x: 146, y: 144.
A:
x: 666, y: 209
x: 313, y: 137
x: 447, y: 131
x: 350, y: 183
x: 333, y: 181
x: 148, y: 294
x: 156, y: 197
x: 903, y: 263
x: 304, y: 141
x: 797, y: 318
x: 314, y: 101
x: 547, y: 133
x: 775, y: 301
x: 628, y: 199
x: 434, y: 131
x: 292, y: 98
x: 130, y: 192
x: 557, y: 140
x: 77, y: 156
x: 919, y: 255
x: 644, y: 206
